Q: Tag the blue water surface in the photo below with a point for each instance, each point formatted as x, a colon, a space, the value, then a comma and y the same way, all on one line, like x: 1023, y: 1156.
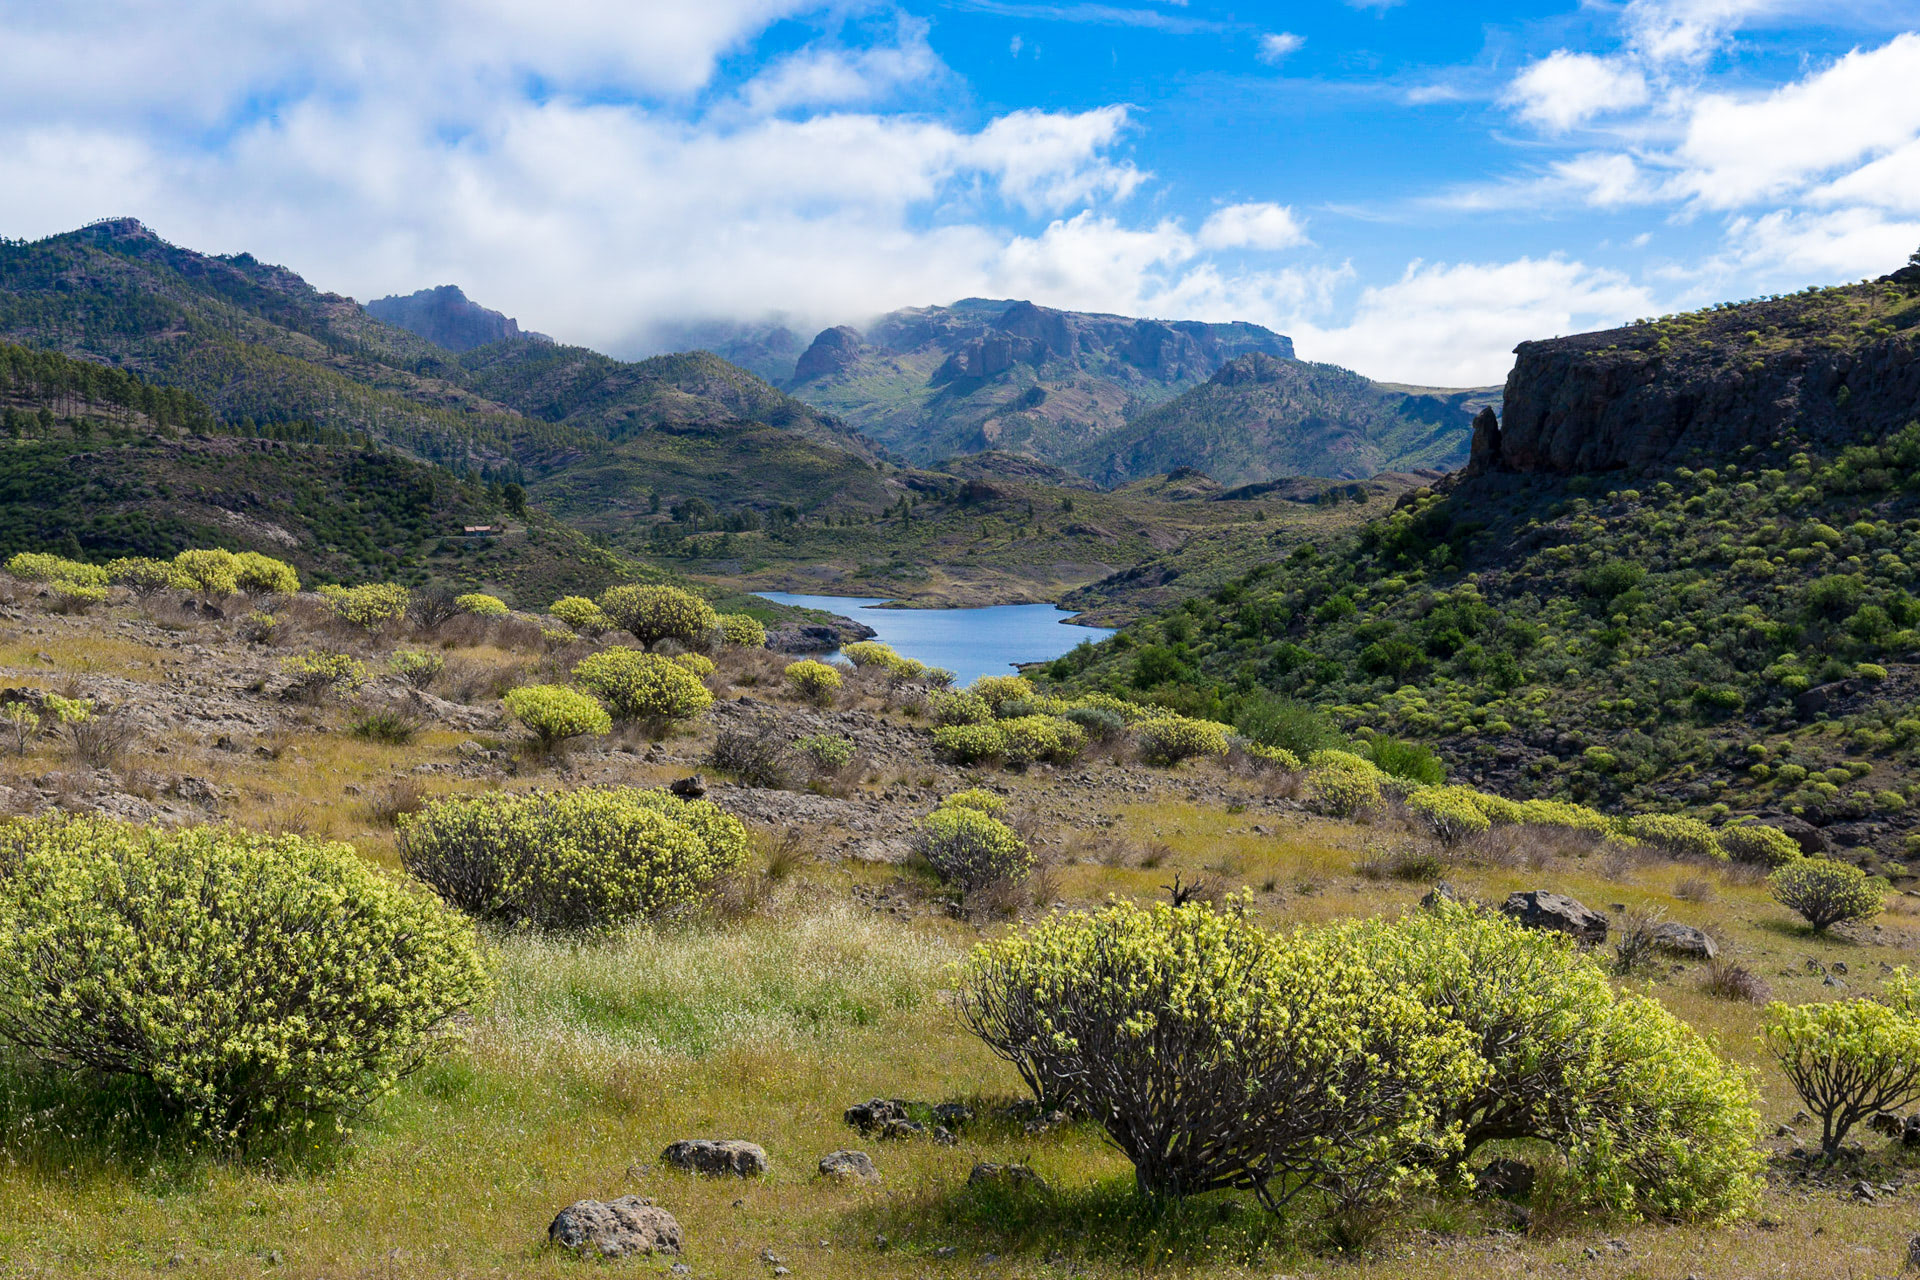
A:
x: 968, y: 642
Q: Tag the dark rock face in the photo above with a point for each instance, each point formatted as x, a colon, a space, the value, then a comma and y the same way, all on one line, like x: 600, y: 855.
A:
x: 620, y: 1228
x: 832, y: 351
x: 1542, y: 910
x: 816, y: 637
x: 718, y: 1158
x: 1684, y: 940
x: 445, y: 316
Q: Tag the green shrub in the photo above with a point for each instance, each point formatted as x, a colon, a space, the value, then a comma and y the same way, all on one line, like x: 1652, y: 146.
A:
x: 76, y: 597
x: 553, y: 713
x: 743, y: 630
x: 869, y: 653
x: 1826, y: 893
x: 1167, y: 740
x: 698, y: 663
x: 582, y: 614
x: 1759, y: 843
x: 482, y: 605
x: 1273, y: 757
x: 814, y: 681
x: 395, y: 728
x: 653, y: 614
x: 417, y: 667
x: 262, y: 575
x: 573, y: 860
x: 38, y: 566
x: 971, y: 849
x: 1294, y: 726
x: 954, y: 706
x: 642, y: 686
x: 1342, y: 784
x: 828, y: 751
x: 370, y: 606
x: 976, y: 798
x: 1031, y: 739
x: 144, y: 576
x: 969, y: 743
x: 1408, y: 760
x: 1099, y: 723
x: 997, y: 690
x: 209, y: 571
x: 317, y: 673
x: 255, y: 981
x: 1674, y: 834
x: 1453, y: 814
x: 1847, y: 1059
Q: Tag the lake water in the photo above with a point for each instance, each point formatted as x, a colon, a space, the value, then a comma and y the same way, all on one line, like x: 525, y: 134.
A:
x: 967, y: 642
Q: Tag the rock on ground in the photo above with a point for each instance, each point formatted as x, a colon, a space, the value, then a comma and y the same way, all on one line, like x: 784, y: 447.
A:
x: 621, y: 1228
x: 848, y: 1166
x: 1684, y: 940
x: 717, y: 1157
x: 1542, y: 910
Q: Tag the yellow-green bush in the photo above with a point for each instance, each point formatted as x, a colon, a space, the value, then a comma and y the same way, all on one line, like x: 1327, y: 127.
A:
x: 1167, y: 740
x: 553, y: 713
x: 1847, y: 1059
x: 582, y: 614
x: 869, y: 653
x: 643, y: 686
x: 371, y: 605
x: 969, y: 743
x: 38, y: 566
x: 254, y: 980
x: 317, y: 672
x: 76, y: 597
x: 1031, y: 739
x: 996, y: 690
x: 1498, y: 810
x: 1826, y: 893
x: 955, y: 706
x: 742, y: 629
x: 417, y: 667
x: 976, y: 798
x: 1759, y: 843
x: 143, y: 575
x: 1343, y: 784
x: 481, y: 605
x: 1567, y: 816
x: 814, y: 681
x: 653, y: 614
x: 698, y: 663
x: 1672, y: 833
x: 1453, y: 814
x: 262, y: 575
x: 208, y: 570
x: 1274, y: 757
x: 970, y: 848
x: 573, y: 860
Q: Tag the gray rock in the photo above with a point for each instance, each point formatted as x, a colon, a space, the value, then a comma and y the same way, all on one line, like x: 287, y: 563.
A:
x: 1684, y: 940
x: 875, y: 1114
x: 848, y: 1166
x: 688, y: 788
x: 1559, y: 913
x: 621, y: 1228
x: 1508, y: 1179
x: 1018, y: 1176
x: 719, y: 1158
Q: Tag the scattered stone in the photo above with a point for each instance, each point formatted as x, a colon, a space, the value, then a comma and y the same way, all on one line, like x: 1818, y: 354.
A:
x: 1559, y: 913
x: 1017, y: 1176
x: 869, y: 1116
x: 621, y: 1228
x: 719, y: 1158
x: 688, y: 788
x: 1839, y: 967
x: 1887, y: 1124
x: 1506, y: 1178
x: 1864, y: 1190
x: 848, y: 1166
x: 1441, y: 892
x: 954, y: 1115
x: 1684, y: 940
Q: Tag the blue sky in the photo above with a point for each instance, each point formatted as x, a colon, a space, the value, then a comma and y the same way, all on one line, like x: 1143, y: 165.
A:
x: 1407, y: 188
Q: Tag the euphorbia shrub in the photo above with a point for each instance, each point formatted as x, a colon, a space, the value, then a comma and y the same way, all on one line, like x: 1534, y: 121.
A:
x: 1847, y: 1059
x: 647, y: 687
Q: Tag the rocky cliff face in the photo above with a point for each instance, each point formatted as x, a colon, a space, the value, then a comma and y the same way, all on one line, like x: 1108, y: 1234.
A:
x: 446, y: 317
x: 1823, y: 367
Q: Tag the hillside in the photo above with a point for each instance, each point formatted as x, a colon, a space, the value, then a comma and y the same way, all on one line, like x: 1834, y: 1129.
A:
x: 933, y: 382
x: 446, y: 317
x: 1728, y: 639
x: 1261, y: 417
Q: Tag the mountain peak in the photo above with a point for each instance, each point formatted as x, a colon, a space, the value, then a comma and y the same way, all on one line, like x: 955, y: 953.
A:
x: 445, y: 316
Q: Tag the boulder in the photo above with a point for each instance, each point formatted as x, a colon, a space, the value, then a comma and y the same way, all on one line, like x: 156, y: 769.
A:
x: 688, y: 788
x: 719, y: 1158
x: 1018, y: 1176
x: 1811, y: 839
x: 1542, y: 910
x: 620, y: 1228
x: 848, y: 1166
x: 1505, y: 1178
x: 876, y: 1113
x: 1684, y: 940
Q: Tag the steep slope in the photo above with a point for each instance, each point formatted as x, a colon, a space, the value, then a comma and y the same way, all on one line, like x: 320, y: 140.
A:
x: 1261, y: 417
x: 1734, y: 638
x: 446, y: 317
x: 933, y: 382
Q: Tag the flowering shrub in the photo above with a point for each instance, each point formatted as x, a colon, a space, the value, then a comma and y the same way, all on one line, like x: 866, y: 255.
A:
x: 1757, y: 842
x: 482, y: 605
x: 1029, y: 739
x: 1567, y: 816
x: 209, y: 571
x: 1098, y: 723
x: 742, y: 629
x: 1273, y: 757
x: 553, y: 713
x: 262, y: 575
x: 869, y: 653
x: 996, y: 690
x: 1847, y: 1059
x: 317, y: 673
x: 976, y: 798
x: 417, y: 667
x: 971, y: 849
x: 698, y: 663
x: 254, y: 980
x: 814, y: 681
x: 144, y: 576
x: 827, y: 751
x: 1167, y: 740
x: 573, y: 860
x: 1343, y: 784
x: 1826, y: 893
x: 653, y: 614
x: 1674, y: 834
x: 371, y: 605
x: 969, y: 743
x: 76, y: 597
x: 38, y: 566
x: 643, y: 686
x: 954, y: 706
x: 582, y: 614
x: 1453, y: 814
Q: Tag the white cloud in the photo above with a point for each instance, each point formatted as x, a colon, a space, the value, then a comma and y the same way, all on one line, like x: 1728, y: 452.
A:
x: 1276, y: 45
x: 1252, y: 226
x: 1849, y: 244
x: 841, y: 77
x: 1605, y: 179
x: 1688, y: 30
x: 1565, y: 89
